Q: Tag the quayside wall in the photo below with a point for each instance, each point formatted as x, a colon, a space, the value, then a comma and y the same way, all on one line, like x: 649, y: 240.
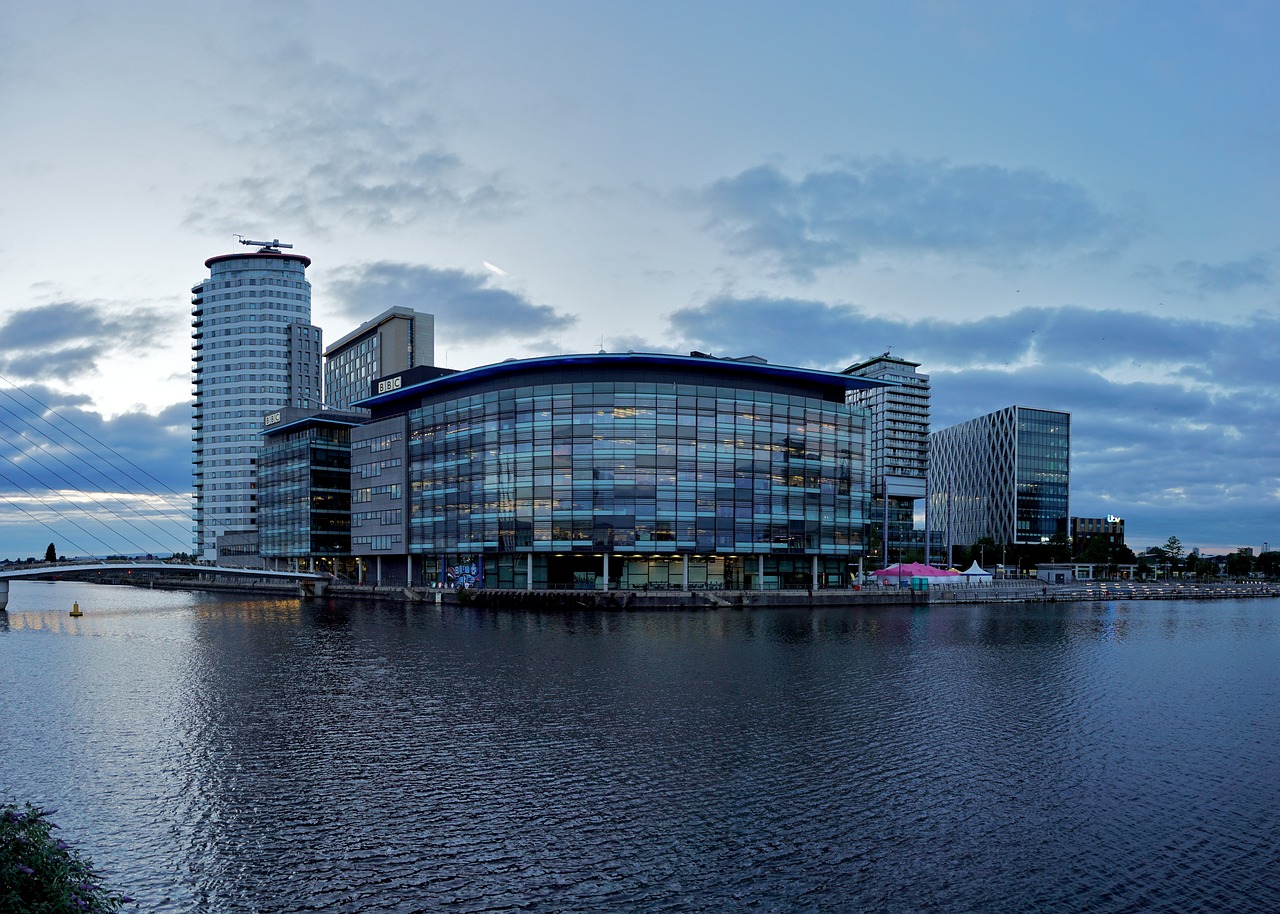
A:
x: 632, y: 600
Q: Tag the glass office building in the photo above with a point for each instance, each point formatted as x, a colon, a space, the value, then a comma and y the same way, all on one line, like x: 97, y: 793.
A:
x: 1005, y: 475
x: 304, y: 478
x: 613, y: 471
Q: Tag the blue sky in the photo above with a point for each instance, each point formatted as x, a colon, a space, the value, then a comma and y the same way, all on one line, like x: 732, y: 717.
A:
x: 1062, y: 206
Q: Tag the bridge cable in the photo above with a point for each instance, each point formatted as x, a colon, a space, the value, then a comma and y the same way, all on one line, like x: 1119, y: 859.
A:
x: 41, y: 447
x: 69, y: 520
x: 86, y: 434
x: 64, y: 497
x: 211, y: 520
x: 165, y: 499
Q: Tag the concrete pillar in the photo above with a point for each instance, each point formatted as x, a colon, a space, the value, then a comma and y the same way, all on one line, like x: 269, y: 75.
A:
x: 359, y: 571
x: 377, y: 571
x: 813, y: 580
x: 606, y: 571
x: 408, y: 570
x: 760, y: 572
x: 528, y: 579
x: 684, y: 573
x: 4, y: 593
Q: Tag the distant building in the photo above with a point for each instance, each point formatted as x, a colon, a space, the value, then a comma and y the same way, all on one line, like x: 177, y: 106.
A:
x: 255, y: 352
x: 396, y: 340
x: 1084, y: 529
x: 612, y: 471
x: 898, y: 448
x: 1005, y: 475
x: 304, y: 490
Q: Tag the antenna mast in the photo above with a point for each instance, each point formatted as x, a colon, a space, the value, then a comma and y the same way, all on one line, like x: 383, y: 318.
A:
x: 265, y: 247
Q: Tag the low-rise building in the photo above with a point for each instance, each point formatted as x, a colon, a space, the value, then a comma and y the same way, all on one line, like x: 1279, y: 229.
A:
x: 608, y: 471
x: 304, y: 496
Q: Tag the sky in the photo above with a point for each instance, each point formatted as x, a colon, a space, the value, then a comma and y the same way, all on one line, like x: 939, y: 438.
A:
x: 1062, y: 206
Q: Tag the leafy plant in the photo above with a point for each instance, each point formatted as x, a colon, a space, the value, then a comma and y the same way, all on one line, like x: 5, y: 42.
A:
x: 40, y: 874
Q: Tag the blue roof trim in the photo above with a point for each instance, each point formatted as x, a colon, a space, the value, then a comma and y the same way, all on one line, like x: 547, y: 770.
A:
x: 655, y: 360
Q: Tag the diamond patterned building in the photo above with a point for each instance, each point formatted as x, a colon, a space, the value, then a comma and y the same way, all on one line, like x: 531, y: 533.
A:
x: 1005, y: 475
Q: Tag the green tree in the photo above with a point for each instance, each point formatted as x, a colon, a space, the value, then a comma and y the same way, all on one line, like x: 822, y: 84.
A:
x: 1097, y: 551
x: 1269, y: 564
x: 984, y: 552
x: 1239, y: 564
x: 1173, y: 551
x: 51, y: 554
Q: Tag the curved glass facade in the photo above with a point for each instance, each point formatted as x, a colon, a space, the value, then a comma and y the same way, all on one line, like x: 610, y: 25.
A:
x: 584, y: 482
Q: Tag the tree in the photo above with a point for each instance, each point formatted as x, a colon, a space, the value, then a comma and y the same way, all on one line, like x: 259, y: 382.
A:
x: 51, y: 554
x: 983, y: 551
x: 1269, y: 564
x: 1173, y: 551
x: 1097, y: 551
x: 1239, y: 564
x: 1196, y: 566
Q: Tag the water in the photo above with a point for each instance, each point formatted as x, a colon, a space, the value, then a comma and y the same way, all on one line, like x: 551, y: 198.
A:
x: 214, y: 754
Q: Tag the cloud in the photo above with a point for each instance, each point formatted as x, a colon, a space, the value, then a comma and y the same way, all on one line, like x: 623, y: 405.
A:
x: 68, y: 339
x: 1172, y: 426
x: 472, y: 309
x: 1228, y: 276
x: 892, y: 204
x: 344, y: 150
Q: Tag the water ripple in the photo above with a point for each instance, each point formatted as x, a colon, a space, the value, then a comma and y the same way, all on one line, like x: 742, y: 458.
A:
x: 232, y: 756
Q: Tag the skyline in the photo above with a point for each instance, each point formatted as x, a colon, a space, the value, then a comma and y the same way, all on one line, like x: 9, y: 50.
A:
x: 1063, y: 207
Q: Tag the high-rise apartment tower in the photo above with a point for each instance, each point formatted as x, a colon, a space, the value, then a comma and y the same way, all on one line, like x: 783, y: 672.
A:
x: 897, y: 450
x: 255, y: 352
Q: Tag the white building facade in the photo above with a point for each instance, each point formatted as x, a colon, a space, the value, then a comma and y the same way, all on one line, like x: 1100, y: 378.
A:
x: 255, y: 351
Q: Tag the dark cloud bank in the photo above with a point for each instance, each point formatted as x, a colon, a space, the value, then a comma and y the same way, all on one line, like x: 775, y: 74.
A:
x: 68, y: 339
x: 464, y: 303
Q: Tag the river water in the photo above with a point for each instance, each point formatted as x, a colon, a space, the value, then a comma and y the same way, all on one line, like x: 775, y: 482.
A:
x: 220, y: 754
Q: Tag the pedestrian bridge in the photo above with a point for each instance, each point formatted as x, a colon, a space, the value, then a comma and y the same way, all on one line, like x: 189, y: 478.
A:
x: 313, y: 584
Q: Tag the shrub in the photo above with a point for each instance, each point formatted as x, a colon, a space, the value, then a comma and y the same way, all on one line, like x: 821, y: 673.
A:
x: 40, y: 874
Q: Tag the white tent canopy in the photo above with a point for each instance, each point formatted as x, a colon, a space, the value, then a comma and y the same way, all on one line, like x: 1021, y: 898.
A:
x: 975, y: 571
